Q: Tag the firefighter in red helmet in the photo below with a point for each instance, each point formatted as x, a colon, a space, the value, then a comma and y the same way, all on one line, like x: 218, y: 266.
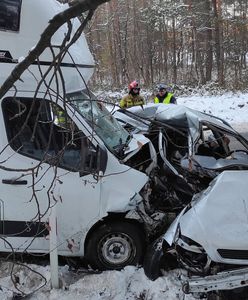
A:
x: 133, y: 98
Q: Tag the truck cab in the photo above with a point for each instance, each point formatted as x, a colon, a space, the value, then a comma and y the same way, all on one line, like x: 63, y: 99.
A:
x: 60, y: 147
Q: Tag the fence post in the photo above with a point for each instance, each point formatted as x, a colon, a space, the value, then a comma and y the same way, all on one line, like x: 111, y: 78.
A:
x: 53, y: 248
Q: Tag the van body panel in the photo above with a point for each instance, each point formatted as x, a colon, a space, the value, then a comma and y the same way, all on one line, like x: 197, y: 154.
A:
x: 78, y: 199
x: 34, y: 19
x: 38, y: 14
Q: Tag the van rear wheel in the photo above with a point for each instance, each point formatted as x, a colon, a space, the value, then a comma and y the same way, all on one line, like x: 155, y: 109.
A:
x: 113, y: 246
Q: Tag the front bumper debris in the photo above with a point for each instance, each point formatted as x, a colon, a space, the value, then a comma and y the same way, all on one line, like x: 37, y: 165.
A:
x: 226, y: 280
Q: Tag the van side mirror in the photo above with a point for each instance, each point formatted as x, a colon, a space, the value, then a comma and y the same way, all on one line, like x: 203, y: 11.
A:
x: 93, y: 160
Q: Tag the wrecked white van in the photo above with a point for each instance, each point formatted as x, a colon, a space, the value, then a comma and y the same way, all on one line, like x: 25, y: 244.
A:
x: 60, y: 147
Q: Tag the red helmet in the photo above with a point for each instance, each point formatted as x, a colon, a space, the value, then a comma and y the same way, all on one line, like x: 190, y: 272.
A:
x: 133, y: 85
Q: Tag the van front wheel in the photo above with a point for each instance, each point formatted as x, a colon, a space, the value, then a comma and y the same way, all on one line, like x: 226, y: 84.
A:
x: 115, y: 245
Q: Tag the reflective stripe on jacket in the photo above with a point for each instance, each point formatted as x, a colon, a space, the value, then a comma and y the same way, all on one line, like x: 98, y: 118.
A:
x: 166, y: 100
x: 129, y: 101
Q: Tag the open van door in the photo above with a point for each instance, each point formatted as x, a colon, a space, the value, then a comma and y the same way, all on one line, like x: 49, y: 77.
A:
x: 46, y: 160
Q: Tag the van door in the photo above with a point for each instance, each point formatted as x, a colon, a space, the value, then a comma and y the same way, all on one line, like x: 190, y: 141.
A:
x: 46, y: 161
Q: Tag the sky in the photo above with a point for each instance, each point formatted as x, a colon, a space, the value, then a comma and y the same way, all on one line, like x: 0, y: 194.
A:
x: 131, y: 282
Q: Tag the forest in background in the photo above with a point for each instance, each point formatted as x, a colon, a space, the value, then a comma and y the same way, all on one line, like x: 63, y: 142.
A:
x: 179, y: 42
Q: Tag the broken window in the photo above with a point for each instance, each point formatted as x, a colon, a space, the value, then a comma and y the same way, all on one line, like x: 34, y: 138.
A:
x: 42, y: 130
x: 219, y: 143
x: 114, y: 136
x: 212, y: 142
x: 10, y: 11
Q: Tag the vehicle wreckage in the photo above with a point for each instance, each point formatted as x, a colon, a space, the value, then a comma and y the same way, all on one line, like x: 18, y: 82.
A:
x: 59, y: 145
x: 208, y: 239
x: 192, y: 148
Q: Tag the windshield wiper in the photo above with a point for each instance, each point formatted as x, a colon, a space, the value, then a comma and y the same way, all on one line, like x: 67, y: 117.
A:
x: 128, y: 139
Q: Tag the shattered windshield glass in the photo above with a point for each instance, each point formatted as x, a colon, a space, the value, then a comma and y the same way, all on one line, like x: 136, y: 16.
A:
x: 100, y: 119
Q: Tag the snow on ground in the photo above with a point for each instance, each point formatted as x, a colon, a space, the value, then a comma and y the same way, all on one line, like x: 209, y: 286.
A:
x: 130, y: 283
x: 231, y: 107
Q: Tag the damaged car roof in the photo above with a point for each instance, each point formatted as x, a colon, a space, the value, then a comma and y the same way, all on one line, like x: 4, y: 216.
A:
x: 181, y: 136
x: 178, y: 116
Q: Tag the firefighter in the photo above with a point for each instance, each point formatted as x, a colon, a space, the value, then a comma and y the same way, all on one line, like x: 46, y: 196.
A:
x: 163, y: 96
x: 133, y: 98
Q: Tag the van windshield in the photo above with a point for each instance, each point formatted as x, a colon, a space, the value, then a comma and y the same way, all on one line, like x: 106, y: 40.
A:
x: 114, y: 136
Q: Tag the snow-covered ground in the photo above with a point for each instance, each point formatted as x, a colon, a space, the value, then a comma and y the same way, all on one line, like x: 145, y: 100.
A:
x: 231, y: 107
x: 130, y: 283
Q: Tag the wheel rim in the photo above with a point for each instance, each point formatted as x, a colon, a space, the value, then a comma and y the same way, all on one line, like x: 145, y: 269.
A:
x: 117, y: 249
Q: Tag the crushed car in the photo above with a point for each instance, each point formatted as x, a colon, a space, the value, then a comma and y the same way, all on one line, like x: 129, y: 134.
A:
x: 193, y: 147
x: 208, y: 240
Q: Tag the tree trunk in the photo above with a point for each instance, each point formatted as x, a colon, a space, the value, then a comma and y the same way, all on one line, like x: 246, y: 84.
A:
x: 219, y: 40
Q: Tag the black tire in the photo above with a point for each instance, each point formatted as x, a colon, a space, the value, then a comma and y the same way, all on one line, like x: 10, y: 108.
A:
x: 235, y: 294
x: 114, y: 245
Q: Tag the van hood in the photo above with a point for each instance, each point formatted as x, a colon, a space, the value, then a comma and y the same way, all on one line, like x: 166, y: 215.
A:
x: 121, y: 189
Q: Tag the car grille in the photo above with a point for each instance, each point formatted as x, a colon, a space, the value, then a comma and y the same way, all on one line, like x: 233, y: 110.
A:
x: 233, y: 254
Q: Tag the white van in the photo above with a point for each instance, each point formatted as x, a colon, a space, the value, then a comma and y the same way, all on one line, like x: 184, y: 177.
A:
x: 64, y: 153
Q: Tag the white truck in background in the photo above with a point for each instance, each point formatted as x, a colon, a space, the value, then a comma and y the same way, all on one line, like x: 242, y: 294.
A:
x: 74, y: 164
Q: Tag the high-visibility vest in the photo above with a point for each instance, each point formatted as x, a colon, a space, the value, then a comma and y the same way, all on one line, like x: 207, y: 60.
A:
x: 61, y: 117
x: 166, y: 100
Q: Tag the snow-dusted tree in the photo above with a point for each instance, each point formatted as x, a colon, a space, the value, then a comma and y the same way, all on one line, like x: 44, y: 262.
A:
x: 187, y: 42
